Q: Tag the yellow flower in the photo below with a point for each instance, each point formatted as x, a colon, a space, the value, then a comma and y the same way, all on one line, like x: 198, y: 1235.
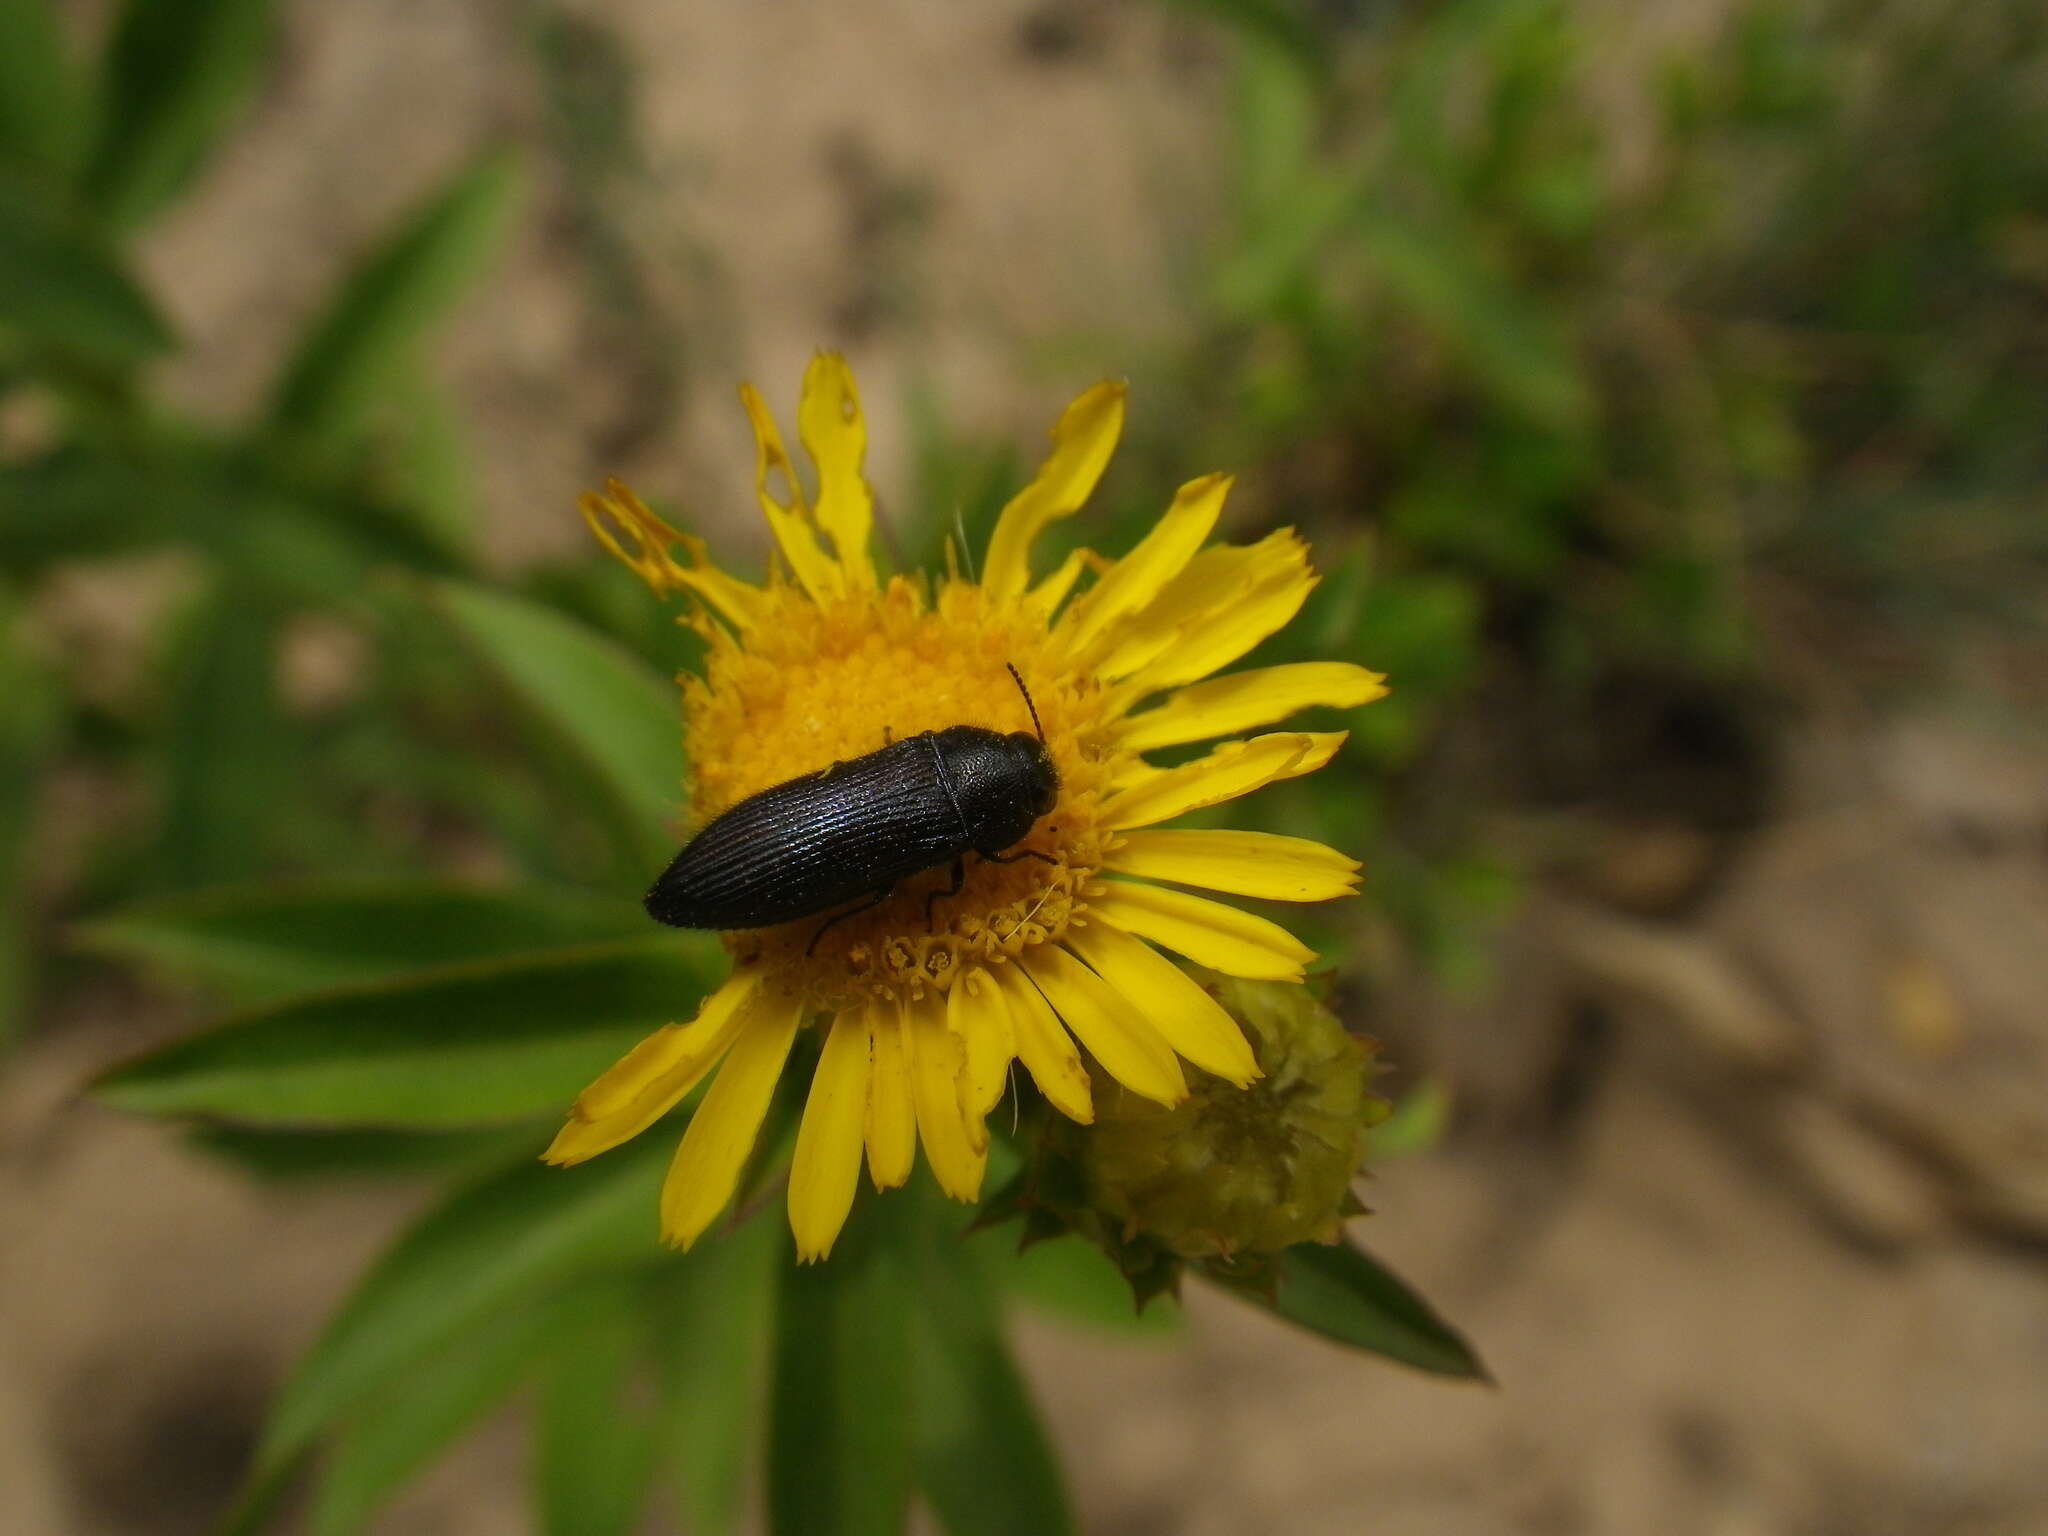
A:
x: 832, y: 661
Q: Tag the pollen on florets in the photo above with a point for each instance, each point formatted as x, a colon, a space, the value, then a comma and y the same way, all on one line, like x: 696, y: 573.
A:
x: 820, y: 683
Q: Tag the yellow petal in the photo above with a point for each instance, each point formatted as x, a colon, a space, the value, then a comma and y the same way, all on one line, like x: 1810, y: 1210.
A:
x: 1082, y: 441
x: 1261, y: 864
x: 1233, y: 769
x: 975, y: 1012
x: 1044, y: 1046
x: 829, y: 422
x: 649, y: 1080
x: 1192, y: 1021
x: 1220, y: 638
x: 826, y: 1167
x: 618, y: 512
x: 787, y: 521
x: 1223, y: 706
x: 1207, y: 932
x: 1134, y: 581
x: 1051, y: 592
x: 721, y: 1134
x: 891, y: 1123
x: 1127, y: 1047
x: 1228, y: 599
x: 956, y: 1149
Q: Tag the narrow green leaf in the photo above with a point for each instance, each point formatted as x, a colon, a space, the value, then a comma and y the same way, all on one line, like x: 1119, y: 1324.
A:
x: 30, y: 723
x: 603, y: 711
x: 362, y: 347
x: 285, y: 537
x: 461, y: 1045
x: 257, y: 943
x: 426, y: 462
x: 983, y: 1459
x: 176, y: 72
x: 43, y: 105
x: 422, y: 1412
x: 1418, y: 1122
x: 226, y: 749
x: 839, y: 1449
x: 1343, y: 1293
x: 710, y: 1313
x: 592, y: 1451
x: 1070, y: 1278
x: 495, y: 1246
x: 289, y: 1153
x: 62, y: 286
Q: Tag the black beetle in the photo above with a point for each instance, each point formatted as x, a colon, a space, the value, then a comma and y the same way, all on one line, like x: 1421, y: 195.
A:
x: 859, y: 827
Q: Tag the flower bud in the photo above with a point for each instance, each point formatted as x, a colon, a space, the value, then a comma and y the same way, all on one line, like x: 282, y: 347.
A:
x: 1241, y: 1171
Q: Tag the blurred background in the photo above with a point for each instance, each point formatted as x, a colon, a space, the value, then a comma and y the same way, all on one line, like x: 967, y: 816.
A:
x: 1660, y: 387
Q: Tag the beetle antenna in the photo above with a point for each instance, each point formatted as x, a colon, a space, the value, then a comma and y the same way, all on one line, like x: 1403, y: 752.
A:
x: 1027, y: 700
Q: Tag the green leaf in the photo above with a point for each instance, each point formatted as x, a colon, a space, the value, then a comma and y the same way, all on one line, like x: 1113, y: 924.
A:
x: 710, y: 1310
x: 293, y: 540
x: 176, y: 72
x: 462, y: 1045
x: 63, y: 287
x: 1279, y: 26
x: 427, y: 462
x: 1418, y: 1122
x: 364, y: 345
x: 422, y: 1412
x: 291, y: 1153
x: 43, y: 106
x: 1070, y: 1278
x: 1516, y: 350
x: 983, y: 1459
x: 257, y: 943
x: 495, y: 1246
x: 839, y: 1448
x: 606, y: 715
x: 226, y: 749
x: 30, y: 727
x: 1343, y: 1293
x: 592, y: 1452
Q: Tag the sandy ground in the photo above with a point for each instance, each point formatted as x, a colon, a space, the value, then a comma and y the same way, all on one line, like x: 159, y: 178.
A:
x: 1747, y: 1213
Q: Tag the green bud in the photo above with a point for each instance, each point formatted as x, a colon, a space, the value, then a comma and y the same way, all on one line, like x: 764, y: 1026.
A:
x: 1230, y: 1171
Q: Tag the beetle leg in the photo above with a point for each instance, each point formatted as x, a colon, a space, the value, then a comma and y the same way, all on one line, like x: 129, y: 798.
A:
x: 875, y: 899
x: 1021, y: 853
x: 959, y: 878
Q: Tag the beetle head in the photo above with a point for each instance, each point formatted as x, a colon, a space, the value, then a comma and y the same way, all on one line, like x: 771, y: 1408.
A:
x: 1043, y: 777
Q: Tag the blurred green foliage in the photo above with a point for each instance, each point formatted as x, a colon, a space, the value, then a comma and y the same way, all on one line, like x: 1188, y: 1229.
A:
x: 1592, y: 367
x: 1621, y: 374
x: 303, y: 529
